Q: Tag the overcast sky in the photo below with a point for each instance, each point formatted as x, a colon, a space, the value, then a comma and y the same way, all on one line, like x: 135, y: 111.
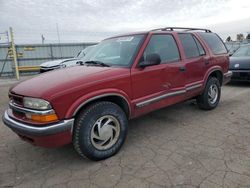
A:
x: 94, y: 20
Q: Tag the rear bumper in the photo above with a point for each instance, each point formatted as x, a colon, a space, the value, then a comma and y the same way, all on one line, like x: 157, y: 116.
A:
x: 227, y: 77
x: 52, y: 135
x: 240, y: 75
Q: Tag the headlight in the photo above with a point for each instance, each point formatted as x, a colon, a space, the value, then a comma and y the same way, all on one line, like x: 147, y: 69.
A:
x: 38, y: 104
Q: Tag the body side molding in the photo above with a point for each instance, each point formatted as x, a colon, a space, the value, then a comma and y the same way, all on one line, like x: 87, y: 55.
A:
x: 164, y: 96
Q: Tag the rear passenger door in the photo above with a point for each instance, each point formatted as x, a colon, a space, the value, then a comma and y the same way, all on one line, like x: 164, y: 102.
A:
x: 195, y: 58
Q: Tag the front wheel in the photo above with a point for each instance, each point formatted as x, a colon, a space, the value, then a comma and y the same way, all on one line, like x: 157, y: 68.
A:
x: 210, y: 97
x: 100, y: 130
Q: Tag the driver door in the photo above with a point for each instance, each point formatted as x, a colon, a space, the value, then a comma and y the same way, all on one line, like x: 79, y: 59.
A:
x: 151, y: 84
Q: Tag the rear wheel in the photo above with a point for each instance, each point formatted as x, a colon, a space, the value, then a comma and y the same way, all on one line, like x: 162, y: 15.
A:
x: 210, y: 97
x: 100, y: 130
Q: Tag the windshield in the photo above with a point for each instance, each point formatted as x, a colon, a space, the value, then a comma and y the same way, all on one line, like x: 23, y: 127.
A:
x: 115, y: 51
x: 232, y: 47
x: 243, y: 51
x: 82, y: 53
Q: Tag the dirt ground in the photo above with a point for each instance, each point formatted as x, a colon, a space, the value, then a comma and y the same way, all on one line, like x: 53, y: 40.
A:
x: 179, y: 146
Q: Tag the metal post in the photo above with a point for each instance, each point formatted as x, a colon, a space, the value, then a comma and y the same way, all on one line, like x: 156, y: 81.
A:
x: 59, y: 41
x: 13, y: 47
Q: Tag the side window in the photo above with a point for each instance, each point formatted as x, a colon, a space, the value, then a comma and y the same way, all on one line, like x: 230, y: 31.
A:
x: 214, y: 43
x: 190, y: 46
x: 200, y: 48
x: 165, y: 46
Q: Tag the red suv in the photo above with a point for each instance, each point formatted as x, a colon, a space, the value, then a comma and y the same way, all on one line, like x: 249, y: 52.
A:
x: 123, y: 78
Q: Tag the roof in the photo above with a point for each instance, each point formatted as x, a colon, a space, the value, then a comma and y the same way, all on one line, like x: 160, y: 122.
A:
x: 165, y: 29
x: 182, y: 28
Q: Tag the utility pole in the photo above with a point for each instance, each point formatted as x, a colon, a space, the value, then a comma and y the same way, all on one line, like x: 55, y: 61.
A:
x: 58, y: 36
x: 13, y: 47
x: 43, y: 39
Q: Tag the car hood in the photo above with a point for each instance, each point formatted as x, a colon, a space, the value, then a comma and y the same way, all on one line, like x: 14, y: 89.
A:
x: 51, y: 84
x: 239, y: 63
x: 55, y: 62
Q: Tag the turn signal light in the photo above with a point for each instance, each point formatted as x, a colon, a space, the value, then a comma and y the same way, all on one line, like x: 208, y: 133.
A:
x: 42, y: 118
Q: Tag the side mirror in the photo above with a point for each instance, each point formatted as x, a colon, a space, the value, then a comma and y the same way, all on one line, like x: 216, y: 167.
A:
x: 151, y: 59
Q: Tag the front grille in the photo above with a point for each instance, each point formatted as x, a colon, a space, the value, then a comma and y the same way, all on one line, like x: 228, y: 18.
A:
x: 18, y: 113
x: 241, y: 75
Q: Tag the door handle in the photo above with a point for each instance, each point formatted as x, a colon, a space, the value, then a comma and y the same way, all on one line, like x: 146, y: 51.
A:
x: 182, y: 69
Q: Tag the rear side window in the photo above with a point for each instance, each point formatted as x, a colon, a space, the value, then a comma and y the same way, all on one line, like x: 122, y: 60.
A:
x: 191, y: 45
x: 214, y: 43
x: 200, y: 48
x: 165, y: 46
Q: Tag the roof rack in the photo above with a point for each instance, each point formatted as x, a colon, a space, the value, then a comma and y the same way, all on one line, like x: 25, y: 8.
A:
x: 183, y: 28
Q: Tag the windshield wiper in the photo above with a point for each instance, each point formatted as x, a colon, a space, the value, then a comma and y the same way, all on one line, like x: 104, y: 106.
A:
x: 96, y: 63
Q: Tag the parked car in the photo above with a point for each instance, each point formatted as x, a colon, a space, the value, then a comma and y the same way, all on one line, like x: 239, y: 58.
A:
x: 240, y: 64
x: 62, y: 63
x: 232, y: 47
x: 123, y: 78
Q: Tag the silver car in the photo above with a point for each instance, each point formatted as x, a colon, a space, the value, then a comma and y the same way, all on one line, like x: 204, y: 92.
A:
x: 62, y: 63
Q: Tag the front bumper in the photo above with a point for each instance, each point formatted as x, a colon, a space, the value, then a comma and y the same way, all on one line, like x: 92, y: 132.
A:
x: 52, y: 135
x: 227, y: 77
x: 241, y: 75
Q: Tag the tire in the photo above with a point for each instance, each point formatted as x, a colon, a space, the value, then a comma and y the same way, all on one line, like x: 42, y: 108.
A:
x: 209, y: 99
x: 100, y: 130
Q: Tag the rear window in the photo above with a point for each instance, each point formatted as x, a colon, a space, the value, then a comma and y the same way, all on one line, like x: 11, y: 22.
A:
x: 214, y: 43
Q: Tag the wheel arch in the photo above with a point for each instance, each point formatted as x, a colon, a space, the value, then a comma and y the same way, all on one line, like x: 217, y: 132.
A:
x: 116, y: 98
x: 217, y: 73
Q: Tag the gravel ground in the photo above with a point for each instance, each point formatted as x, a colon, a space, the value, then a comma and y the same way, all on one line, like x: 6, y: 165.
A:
x: 178, y: 146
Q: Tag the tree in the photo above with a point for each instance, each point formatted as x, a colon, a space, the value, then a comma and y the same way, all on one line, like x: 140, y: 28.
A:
x: 248, y: 36
x: 228, y: 39
x: 240, y: 37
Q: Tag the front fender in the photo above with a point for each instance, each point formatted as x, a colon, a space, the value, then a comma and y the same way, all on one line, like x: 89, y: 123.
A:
x: 80, y: 102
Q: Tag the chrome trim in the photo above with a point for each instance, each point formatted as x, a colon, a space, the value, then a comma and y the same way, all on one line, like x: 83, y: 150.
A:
x: 241, y: 70
x: 13, y: 106
x: 155, y: 99
x: 193, y: 87
x: 158, y: 98
x: 100, y: 96
x: 37, y: 131
x: 228, y: 74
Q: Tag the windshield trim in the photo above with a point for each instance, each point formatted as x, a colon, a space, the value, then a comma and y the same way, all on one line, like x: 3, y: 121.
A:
x: 126, y: 35
x: 135, y: 52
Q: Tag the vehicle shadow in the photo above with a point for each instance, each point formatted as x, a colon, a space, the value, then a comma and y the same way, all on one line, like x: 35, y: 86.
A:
x: 239, y: 84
